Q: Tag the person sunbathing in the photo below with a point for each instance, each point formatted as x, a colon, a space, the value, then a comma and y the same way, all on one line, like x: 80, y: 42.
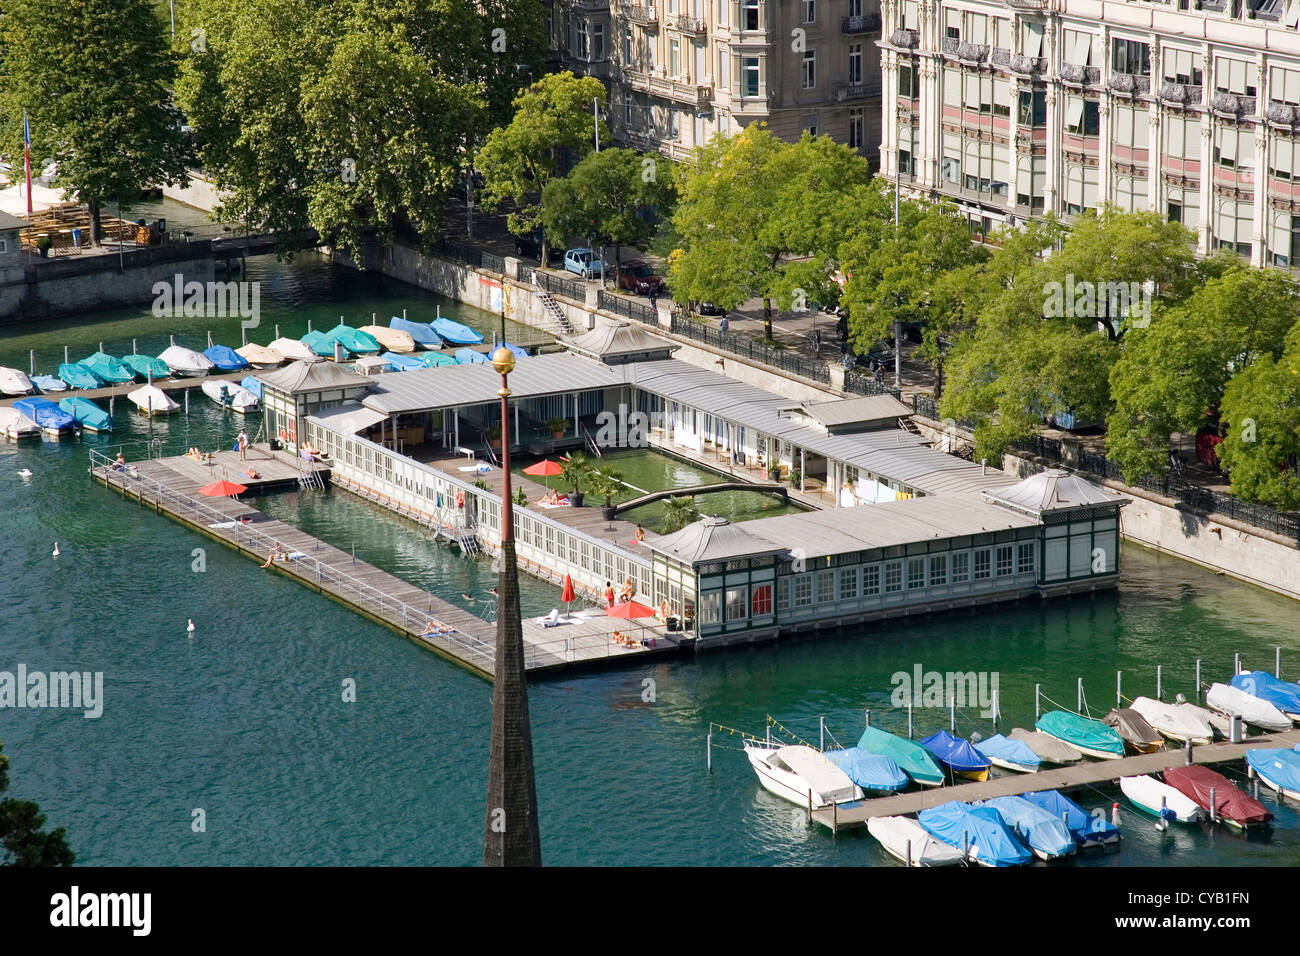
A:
x: 627, y: 591
x: 640, y: 534
x: 252, y: 473
x: 277, y: 554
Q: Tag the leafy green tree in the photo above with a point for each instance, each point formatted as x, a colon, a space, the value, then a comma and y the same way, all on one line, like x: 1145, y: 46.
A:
x: 1171, y: 376
x: 22, y: 841
x: 94, y: 78
x: 604, y: 198
x: 1261, y: 409
x: 518, y: 160
x: 678, y: 513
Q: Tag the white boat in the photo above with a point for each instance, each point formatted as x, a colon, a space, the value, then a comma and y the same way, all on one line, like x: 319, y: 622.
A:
x: 906, y: 840
x: 14, y: 424
x: 184, y: 362
x: 1180, y: 722
x: 1151, y: 795
x: 14, y: 382
x: 293, y: 350
x: 152, y: 400
x: 1254, y: 711
x: 793, y: 772
x: 260, y: 356
x: 1220, y: 724
x: 235, y: 397
x: 394, y: 340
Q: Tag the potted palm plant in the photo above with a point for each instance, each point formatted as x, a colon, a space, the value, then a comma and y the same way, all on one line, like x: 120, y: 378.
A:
x: 606, y: 484
x: 494, y: 436
x: 557, y: 426
x: 572, y: 474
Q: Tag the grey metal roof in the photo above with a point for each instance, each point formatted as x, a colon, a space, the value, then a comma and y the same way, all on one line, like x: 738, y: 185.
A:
x: 304, y: 376
x: 855, y: 411
x: 8, y: 222
x: 619, y: 338
x: 1054, y: 490
x: 452, y: 386
x: 711, y: 539
x: 349, y: 417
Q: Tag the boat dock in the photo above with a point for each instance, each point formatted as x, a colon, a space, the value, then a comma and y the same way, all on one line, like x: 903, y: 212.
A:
x: 170, y: 487
x: 119, y: 391
x: 1086, y: 773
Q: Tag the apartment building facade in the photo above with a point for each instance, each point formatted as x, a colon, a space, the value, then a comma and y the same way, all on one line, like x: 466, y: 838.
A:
x: 1016, y: 107
x: 679, y: 72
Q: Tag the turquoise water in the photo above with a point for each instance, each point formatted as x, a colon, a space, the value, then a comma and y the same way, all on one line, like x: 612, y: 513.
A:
x: 245, y: 720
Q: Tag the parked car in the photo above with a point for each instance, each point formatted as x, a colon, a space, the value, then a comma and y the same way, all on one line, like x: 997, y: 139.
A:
x: 637, y: 276
x: 708, y: 308
x: 585, y: 262
x: 529, y: 246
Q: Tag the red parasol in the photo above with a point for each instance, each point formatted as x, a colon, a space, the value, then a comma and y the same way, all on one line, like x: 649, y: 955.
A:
x: 222, y: 489
x: 567, y: 595
x: 630, y: 610
x: 544, y: 469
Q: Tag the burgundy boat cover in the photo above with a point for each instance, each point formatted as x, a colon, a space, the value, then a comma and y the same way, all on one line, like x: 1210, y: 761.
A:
x: 1230, y: 802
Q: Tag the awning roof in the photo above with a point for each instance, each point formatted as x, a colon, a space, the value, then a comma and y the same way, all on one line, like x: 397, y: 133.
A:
x: 349, y: 417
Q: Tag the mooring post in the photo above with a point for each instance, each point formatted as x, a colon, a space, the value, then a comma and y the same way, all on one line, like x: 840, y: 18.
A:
x: 1277, y: 662
x: 868, y: 716
x: 1213, y: 810
x: 708, y: 750
x: 952, y: 713
x: 909, y: 720
x: 1160, y: 692
x: 810, y: 804
x: 1037, y: 691
x: 32, y: 358
x: 909, y: 853
x: 1236, y: 664
x: 1119, y: 687
x: 995, y: 711
x: 835, y: 819
x: 1079, y: 708
x: 821, y: 732
x: 1189, y: 751
x: 1198, y: 678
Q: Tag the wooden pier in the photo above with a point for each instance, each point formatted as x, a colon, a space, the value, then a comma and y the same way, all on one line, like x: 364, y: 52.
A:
x: 1083, y: 774
x: 119, y: 391
x: 170, y: 487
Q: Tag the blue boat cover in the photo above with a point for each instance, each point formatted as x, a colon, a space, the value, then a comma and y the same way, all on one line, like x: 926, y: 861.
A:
x: 434, y: 359
x: 421, y: 332
x: 1084, y: 827
x: 1012, y: 751
x: 955, y: 752
x: 78, y: 376
x: 402, y: 363
x: 1283, y: 695
x: 1037, y: 828
x: 1277, y: 765
x: 470, y: 357
x: 1079, y: 731
x: 869, y: 771
x: 226, y: 358
x: 455, y: 333
x: 107, y: 368
x: 319, y: 342
x: 49, y: 383
x: 254, y: 385
x: 914, y: 759
x: 519, y: 352
x: 87, y: 412
x: 45, y: 413
x: 981, y: 828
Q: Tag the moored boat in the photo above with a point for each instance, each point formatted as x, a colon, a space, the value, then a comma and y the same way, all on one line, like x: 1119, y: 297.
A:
x: 1139, y: 736
x: 1159, y: 799
x: 184, y: 362
x: 455, y: 333
x: 260, y: 356
x: 1009, y: 754
x: 293, y: 350
x: 1283, y: 695
x: 320, y: 343
x: 354, y: 340
x: 14, y: 382
x: 957, y: 755
x: 91, y: 416
x: 152, y: 400
x: 146, y: 367
x: 1278, y: 767
x: 798, y: 773
x: 49, y: 383
x: 230, y: 395
x: 978, y: 831
x: 518, y: 351
x: 254, y: 385
x: 913, y: 759
x: 389, y: 339
x: 420, y: 332
x: 1255, y: 711
x: 225, y: 359
x: 1090, y: 737
x: 1216, y: 795
x: 907, y: 841
x: 403, y: 363
x: 434, y: 359
x: 14, y: 424
x: 75, y: 375
x: 1175, y: 721
x: 468, y: 356
x: 47, y: 416
x: 1088, y: 829
x: 1044, y: 833
x: 1048, y: 748
x: 107, y: 368
x: 874, y: 773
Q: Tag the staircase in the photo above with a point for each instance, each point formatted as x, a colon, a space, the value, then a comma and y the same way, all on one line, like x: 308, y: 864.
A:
x: 907, y: 425
x: 553, y: 309
x: 309, y: 477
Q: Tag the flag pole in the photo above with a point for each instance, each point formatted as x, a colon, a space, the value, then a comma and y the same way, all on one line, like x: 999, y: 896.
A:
x: 27, y: 162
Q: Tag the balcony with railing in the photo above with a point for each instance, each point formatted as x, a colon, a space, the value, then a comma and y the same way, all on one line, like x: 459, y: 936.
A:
x: 863, y: 23
x: 965, y: 52
x: 1080, y: 75
x: 678, y: 90
x: 683, y: 23
x: 1029, y: 6
x: 1129, y: 84
x: 1173, y: 93
x: 904, y: 39
x: 1232, y: 105
x: 641, y: 13
x: 847, y: 92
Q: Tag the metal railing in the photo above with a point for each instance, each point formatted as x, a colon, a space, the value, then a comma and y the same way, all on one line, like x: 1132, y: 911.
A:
x: 856, y: 380
x: 558, y: 285
x: 625, y: 306
x: 344, y: 585
x: 927, y: 406
x: 752, y: 350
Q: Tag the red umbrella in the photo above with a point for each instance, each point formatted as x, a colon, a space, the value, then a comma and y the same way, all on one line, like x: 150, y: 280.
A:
x: 567, y: 595
x: 222, y: 489
x: 630, y: 610
x: 544, y: 469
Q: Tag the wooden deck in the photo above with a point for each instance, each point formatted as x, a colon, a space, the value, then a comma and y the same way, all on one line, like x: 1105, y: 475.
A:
x: 170, y: 486
x: 119, y: 391
x: 277, y: 469
x: 1085, y: 773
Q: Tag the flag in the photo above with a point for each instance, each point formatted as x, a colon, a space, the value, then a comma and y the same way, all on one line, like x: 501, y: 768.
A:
x: 27, y: 162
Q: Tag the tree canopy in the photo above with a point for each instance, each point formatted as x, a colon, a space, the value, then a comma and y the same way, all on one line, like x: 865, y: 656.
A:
x: 23, y: 842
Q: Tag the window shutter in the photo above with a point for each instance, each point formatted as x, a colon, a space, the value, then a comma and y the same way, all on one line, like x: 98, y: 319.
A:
x: 1074, y: 112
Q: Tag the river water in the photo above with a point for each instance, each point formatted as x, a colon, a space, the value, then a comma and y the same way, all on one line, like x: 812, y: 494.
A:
x: 244, y: 719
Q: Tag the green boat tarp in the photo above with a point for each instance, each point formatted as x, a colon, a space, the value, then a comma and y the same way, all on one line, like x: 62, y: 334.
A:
x: 108, y: 368
x: 1082, y: 732
x: 145, y: 365
x: 913, y: 759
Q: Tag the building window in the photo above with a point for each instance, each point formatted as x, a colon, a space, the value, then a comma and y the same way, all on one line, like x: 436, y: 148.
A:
x: 915, y: 573
x: 848, y: 584
x: 893, y: 576
x: 803, y: 590
x: 810, y: 69
x: 938, y: 570
x: 809, y: 11
x: 825, y: 587
x: 598, y: 41
x: 909, y: 84
x: 855, y: 64
x: 1025, y: 557
x: 855, y: 8
x: 1033, y: 108
x: 4, y: 246
x: 581, y: 52
x: 982, y: 564
x: 857, y: 124
x: 1132, y: 57
x: 627, y: 112
x: 761, y: 606
x: 1004, y: 559
x: 711, y: 607
x: 674, y: 57
x: 871, y: 580
x: 749, y: 15
x: 783, y: 594
x: 628, y: 59
x: 749, y: 75
x: 737, y: 604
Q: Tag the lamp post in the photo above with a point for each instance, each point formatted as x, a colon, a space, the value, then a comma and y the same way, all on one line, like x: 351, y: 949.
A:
x: 510, y: 833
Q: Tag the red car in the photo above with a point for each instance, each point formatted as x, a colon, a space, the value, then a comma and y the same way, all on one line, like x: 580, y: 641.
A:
x: 637, y: 276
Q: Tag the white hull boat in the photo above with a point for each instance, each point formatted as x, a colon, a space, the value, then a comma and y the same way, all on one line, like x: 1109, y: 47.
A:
x: 1253, y: 710
x: 186, y: 363
x: 152, y: 400
x: 14, y: 382
x: 293, y: 350
x: 14, y: 424
x: 1180, y: 722
x: 1151, y: 795
x: 236, y: 397
x: 795, y: 773
x: 260, y: 356
x: 906, y: 841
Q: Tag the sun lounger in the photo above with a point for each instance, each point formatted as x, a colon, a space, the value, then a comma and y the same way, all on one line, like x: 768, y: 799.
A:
x: 551, y: 620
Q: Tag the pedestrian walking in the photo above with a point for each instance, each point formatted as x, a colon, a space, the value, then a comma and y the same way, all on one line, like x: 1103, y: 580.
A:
x: 724, y: 324
x: 654, y: 296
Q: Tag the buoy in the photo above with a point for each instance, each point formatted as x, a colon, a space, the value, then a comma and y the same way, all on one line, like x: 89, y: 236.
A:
x: 25, y: 473
x: 56, y: 549
x: 190, y: 628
